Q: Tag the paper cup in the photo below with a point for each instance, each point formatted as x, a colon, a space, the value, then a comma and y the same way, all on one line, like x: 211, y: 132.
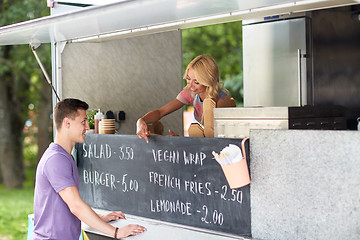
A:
x: 107, y: 126
x: 108, y: 131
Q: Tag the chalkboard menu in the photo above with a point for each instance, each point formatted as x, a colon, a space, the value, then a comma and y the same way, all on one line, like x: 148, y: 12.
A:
x: 172, y: 179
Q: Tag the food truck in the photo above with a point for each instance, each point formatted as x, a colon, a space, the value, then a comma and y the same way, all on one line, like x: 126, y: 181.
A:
x: 301, y: 105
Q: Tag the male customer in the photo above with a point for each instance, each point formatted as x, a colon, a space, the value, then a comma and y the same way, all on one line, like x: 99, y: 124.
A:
x: 58, y: 207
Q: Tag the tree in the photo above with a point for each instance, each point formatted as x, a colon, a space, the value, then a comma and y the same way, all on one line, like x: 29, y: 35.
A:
x: 224, y: 43
x: 17, y: 67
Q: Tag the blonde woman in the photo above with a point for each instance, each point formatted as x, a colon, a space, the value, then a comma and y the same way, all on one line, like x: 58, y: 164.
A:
x: 203, y: 91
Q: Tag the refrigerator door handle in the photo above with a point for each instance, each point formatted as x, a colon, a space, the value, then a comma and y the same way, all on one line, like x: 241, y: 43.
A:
x: 299, y: 78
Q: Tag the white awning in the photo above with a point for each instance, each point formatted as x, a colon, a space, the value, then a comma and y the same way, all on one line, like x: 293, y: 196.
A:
x: 141, y: 16
x: 88, y: 2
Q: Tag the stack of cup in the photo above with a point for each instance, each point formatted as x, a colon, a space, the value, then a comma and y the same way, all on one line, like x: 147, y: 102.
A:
x: 107, y: 126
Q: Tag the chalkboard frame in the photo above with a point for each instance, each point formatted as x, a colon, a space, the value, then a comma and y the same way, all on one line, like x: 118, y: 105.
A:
x: 194, y: 201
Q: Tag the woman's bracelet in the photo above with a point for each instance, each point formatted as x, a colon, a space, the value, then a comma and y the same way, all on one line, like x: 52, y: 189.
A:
x: 115, y: 235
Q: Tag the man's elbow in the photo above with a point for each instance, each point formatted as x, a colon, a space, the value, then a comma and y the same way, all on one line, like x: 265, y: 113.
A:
x: 75, y: 208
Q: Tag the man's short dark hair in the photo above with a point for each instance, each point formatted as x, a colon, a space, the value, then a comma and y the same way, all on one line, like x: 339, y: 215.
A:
x: 68, y: 108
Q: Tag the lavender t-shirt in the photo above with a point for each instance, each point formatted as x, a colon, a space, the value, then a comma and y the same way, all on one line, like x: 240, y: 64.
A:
x: 52, y: 217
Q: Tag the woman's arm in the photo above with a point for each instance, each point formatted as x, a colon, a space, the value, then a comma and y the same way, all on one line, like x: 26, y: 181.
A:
x: 156, y: 115
x: 208, y: 115
x: 208, y: 112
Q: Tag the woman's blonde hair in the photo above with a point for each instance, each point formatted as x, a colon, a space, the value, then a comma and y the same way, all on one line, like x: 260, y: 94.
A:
x: 206, y: 73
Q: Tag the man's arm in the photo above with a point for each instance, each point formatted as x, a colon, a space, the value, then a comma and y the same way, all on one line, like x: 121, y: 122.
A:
x: 85, y: 213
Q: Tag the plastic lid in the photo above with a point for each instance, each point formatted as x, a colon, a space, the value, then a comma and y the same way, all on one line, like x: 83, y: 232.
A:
x: 98, y: 115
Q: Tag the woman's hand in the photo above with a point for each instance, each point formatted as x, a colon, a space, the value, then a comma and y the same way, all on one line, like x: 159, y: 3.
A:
x: 131, y: 229
x: 112, y: 216
x: 172, y: 134
x: 142, y: 130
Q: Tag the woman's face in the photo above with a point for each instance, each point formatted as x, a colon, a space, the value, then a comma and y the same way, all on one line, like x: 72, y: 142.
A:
x: 194, y: 86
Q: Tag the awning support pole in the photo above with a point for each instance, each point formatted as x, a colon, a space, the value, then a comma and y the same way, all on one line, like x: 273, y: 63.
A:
x: 43, y: 68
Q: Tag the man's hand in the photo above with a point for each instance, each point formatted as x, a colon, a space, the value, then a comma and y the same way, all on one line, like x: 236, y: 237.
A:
x: 130, y: 230
x: 112, y: 216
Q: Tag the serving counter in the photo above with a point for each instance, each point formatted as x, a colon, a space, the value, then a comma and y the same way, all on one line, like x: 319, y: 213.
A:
x: 304, y: 185
x: 159, y: 230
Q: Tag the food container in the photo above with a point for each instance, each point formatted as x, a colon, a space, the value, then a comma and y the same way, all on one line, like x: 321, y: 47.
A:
x: 107, y: 126
x: 236, y: 169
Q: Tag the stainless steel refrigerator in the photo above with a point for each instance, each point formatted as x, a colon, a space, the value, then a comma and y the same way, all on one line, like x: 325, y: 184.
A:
x: 275, y: 62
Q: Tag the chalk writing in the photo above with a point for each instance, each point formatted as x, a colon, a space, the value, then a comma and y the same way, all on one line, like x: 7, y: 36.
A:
x: 216, y: 217
x: 99, y: 178
x: 165, y: 181
x: 166, y: 156
x: 168, y: 206
x: 129, y: 184
x: 102, y: 151
x: 126, y: 153
x: 194, y: 158
x: 197, y: 187
x: 235, y: 195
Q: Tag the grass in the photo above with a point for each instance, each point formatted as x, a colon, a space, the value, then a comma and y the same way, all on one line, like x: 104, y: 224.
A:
x: 15, y: 206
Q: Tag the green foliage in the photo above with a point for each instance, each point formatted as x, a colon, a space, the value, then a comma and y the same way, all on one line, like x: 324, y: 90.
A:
x: 236, y: 87
x: 21, y: 10
x: 30, y: 150
x: 26, y: 73
x: 91, y: 120
x: 224, y: 43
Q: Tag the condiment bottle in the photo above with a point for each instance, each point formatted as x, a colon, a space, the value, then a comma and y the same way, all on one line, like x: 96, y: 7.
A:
x: 98, y: 116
